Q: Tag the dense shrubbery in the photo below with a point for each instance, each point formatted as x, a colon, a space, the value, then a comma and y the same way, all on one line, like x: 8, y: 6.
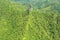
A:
x: 39, y: 24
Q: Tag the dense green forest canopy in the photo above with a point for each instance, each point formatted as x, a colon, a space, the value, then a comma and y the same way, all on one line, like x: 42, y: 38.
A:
x: 42, y: 23
x: 38, y: 3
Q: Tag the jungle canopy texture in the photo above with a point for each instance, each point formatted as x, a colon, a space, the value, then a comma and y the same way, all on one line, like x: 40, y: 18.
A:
x: 41, y: 23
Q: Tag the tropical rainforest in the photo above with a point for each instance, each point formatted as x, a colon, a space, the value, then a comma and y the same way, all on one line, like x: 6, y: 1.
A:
x: 29, y: 19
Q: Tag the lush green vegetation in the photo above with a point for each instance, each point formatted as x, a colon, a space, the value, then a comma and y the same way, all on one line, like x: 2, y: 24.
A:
x: 39, y: 24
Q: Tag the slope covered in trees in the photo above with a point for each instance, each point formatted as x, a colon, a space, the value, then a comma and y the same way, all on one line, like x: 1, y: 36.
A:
x: 38, y: 3
x: 39, y: 24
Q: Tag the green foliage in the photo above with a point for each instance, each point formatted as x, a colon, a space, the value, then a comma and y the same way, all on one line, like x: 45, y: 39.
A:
x: 17, y: 24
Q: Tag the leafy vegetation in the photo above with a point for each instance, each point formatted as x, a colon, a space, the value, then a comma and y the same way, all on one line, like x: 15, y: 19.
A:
x: 39, y: 24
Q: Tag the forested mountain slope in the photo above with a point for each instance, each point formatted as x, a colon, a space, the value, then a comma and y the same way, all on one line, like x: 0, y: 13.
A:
x: 39, y: 24
x: 38, y: 3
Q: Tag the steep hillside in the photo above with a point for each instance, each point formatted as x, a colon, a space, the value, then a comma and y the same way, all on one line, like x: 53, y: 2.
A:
x: 39, y: 24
